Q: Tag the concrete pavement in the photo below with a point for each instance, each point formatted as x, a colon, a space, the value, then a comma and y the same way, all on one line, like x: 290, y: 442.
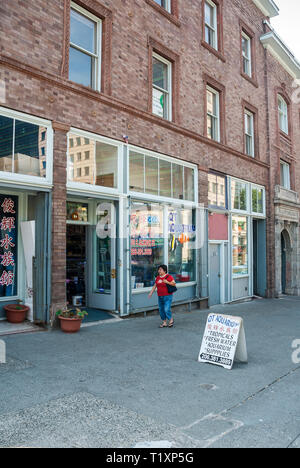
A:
x: 130, y: 384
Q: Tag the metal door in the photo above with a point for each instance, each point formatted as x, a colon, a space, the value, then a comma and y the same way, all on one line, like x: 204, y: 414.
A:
x: 101, y: 259
x: 214, y: 274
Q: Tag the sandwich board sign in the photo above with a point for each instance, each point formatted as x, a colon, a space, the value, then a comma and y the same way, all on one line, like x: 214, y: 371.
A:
x: 224, y: 341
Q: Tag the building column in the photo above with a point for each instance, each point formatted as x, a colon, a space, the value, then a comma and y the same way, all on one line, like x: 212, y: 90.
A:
x: 59, y: 215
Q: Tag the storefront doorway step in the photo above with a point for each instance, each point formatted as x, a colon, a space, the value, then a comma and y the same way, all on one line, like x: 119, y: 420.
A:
x: 7, y: 328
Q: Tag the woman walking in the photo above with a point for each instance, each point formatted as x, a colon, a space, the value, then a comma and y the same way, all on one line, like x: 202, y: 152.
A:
x: 164, y: 296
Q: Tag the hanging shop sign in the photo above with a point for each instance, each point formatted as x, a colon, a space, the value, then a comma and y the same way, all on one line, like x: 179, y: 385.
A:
x: 224, y: 341
x: 8, y: 245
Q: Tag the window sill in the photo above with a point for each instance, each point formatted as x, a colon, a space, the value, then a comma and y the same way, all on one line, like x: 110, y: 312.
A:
x: 285, y: 136
x: 170, y: 16
x: 217, y: 53
x: 251, y: 80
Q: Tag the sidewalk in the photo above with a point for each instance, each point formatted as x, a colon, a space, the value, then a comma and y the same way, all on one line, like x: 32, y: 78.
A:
x: 128, y: 383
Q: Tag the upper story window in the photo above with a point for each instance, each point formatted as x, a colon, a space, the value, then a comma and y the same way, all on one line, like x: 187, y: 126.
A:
x: 213, y: 113
x: 25, y: 146
x: 161, y: 87
x: 217, y: 190
x: 246, y: 52
x: 211, y: 24
x: 285, y: 175
x: 283, y: 115
x: 85, y: 48
x: 166, y: 4
x: 249, y: 134
x: 239, y: 195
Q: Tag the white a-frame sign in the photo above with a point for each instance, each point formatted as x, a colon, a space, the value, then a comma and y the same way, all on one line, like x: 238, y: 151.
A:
x: 224, y: 341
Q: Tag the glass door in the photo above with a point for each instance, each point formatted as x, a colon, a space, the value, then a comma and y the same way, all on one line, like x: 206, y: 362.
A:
x: 102, y: 258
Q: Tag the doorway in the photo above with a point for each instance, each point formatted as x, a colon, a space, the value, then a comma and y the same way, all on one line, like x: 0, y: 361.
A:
x: 76, y: 265
x: 215, y: 274
x: 91, y: 257
x: 283, y: 264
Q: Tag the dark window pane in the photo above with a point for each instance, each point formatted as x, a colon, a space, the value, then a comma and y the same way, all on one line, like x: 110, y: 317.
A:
x: 6, y: 143
x: 28, y: 150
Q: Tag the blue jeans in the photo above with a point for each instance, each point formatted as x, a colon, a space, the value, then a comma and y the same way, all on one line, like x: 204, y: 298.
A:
x: 164, y: 303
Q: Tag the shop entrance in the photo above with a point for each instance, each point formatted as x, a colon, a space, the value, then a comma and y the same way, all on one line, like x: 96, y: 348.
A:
x: 91, y: 260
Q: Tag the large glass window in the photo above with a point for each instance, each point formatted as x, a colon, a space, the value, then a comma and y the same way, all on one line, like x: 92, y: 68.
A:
x: 238, y: 195
x: 84, y: 62
x: 101, y: 166
x: 23, y: 147
x: 217, y: 190
x: 147, y: 243
x: 156, y: 176
x: 239, y: 245
x: 182, y: 238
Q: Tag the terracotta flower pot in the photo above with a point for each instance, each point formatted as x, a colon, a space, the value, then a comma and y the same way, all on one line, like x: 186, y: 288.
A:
x: 16, y: 313
x: 70, y: 325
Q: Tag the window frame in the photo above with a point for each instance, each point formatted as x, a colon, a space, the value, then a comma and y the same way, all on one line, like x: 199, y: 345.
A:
x: 13, y: 177
x: 158, y: 198
x: 216, y: 94
x: 249, y: 56
x: 248, y: 113
x: 97, y: 72
x: 246, y: 32
x: 286, y: 183
x: 219, y: 207
x: 286, y: 129
x: 81, y: 187
x: 213, y: 28
x: 168, y: 92
x: 257, y: 214
x: 167, y: 7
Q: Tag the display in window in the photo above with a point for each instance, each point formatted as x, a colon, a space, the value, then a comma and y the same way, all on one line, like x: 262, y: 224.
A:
x: 77, y: 212
x: 239, y: 245
x: 182, y: 238
x: 8, y: 245
x: 147, y: 243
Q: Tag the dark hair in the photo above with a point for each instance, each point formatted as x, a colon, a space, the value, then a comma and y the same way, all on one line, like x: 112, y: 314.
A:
x: 164, y: 267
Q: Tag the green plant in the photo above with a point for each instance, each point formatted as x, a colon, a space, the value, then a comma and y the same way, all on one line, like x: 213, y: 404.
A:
x: 71, y: 313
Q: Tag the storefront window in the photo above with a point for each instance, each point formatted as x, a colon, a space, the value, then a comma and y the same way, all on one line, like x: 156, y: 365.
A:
x: 77, y: 212
x: 156, y: 176
x: 147, y: 243
x: 182, y: 237
x: 239, y: 245
x: 257, y: 200
x: 8, y: 245
x: 216, y: 190
x: 92, y: 162
x: 23, y: 147
x: 238, y: 195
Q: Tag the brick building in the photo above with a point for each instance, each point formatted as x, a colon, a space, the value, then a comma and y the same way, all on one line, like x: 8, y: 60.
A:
x: 140, y: 132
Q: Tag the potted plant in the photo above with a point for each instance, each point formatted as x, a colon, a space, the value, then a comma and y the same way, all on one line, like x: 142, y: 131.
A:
x: 70, y: 319
x: 16, y: 313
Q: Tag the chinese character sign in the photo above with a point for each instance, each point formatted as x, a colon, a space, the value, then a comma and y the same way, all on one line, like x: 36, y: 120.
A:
x: 8, y: 245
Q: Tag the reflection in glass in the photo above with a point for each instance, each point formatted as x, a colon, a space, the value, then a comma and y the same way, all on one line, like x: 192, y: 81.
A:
x: 216, y: 190
x: 182, y: 237
x: 189, y: 184
x: 165, y: 178
x: 94, y: 163
x: 151, y: 175
x: 257, y: 200
x: 239, y: 195
x: 136, y: 172
x: 147, y: 243
x: 239, y: 245
x: 177, y: 176
x: 6, y: 144
x: 81, y: 68
x: 83, y: 32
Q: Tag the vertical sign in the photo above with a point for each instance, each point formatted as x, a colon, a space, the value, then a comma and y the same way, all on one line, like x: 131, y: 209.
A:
x: 8, y: 245
x: 223, y: 341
